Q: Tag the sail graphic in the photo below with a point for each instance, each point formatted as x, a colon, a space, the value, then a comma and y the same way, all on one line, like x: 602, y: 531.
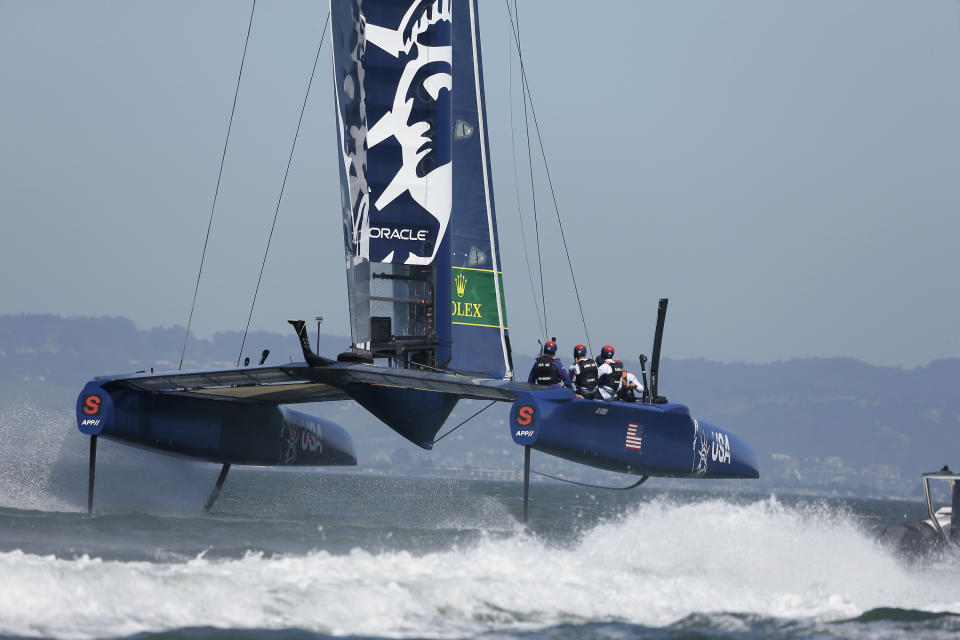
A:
x: 423, y: 271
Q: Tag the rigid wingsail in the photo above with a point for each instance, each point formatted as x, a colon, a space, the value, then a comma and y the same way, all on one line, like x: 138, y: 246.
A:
x: 425, y: 281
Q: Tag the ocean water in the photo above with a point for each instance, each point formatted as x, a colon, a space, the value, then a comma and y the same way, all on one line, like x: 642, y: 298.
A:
x: 315, y: 554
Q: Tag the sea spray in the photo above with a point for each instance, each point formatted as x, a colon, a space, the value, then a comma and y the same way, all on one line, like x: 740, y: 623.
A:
x: 44, y: 466
x: 32, y: 440
x: 660, y: 563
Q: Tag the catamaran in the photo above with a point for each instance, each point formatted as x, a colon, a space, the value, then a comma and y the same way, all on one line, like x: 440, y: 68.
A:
x: 424, y: 272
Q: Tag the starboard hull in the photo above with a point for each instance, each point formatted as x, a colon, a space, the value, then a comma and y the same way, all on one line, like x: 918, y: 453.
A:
x: 635, y: 438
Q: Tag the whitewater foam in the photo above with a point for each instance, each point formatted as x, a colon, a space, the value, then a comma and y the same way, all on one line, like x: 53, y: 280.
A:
x: 655, y: 566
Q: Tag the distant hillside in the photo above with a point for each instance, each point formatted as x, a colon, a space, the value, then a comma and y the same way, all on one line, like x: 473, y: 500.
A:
x: 43, y: 347
x: 827, y: 424
x: 865, y: 415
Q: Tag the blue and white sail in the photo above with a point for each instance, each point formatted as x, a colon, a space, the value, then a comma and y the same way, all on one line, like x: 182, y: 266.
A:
x: 419, y: 226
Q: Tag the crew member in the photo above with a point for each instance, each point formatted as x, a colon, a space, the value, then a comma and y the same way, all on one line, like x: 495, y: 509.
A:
x: 583, y: 374
x: 547, y: 369
x: 609, y: 373
x: 615, y: 382
x: 630, y: 389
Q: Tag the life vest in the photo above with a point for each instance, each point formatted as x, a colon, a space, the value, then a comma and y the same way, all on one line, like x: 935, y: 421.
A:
x: 627, y: 394
x: 611, y: 380
x: 586, y: 378
x: 544, y: 372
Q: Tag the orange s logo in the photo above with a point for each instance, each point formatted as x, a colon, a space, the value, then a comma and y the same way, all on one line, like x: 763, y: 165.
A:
x: 524, y: 415
x: 91, y: 405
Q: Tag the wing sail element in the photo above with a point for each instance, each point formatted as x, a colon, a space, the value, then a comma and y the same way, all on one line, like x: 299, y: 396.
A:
x: 392, y: 80
x: 423, y: 271
x: 478, y: 306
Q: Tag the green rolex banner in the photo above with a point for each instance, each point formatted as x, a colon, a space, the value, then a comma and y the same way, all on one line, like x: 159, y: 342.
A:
x: 474, y: 300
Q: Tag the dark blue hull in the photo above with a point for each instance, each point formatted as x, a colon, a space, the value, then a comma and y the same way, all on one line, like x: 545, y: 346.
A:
x: 636, y: 438
x: 215, y: 430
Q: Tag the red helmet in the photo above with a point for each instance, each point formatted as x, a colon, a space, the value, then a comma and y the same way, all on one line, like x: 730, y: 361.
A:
x: 550, y: 347
x: 606, y: 352
x: 579, y: 351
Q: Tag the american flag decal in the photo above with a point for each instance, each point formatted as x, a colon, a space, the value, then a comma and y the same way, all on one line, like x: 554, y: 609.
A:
x: 634, y: 441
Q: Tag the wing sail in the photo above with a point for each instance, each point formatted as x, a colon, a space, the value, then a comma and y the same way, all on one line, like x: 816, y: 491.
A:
x: 392, y: 65
x: 423, y: 270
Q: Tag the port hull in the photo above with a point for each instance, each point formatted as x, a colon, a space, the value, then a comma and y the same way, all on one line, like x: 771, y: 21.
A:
x: 214, y: 430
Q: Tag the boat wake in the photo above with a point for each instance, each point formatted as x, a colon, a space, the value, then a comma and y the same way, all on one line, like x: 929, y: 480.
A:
x: 756, y: 567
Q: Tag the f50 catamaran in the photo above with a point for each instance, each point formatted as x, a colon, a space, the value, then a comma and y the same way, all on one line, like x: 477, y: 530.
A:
x: 427, y: 309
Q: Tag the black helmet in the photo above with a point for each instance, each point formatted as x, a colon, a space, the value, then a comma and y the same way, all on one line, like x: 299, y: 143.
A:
x: 579, y: 351
x: 550, y: 347
x: 606, y: 352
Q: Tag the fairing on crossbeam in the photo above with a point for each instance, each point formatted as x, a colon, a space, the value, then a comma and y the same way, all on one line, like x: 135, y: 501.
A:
x: 414, y: 414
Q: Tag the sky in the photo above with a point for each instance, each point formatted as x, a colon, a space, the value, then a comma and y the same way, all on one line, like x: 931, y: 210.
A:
x: 784, y: 172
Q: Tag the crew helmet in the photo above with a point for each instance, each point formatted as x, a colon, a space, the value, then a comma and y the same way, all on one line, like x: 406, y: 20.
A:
x: 550, y: 347
x: 579, y: 351
x: 606, y: 352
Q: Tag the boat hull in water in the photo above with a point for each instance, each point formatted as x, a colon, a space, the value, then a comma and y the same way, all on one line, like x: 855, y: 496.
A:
x: 637, y: 438
x: 917, y: 539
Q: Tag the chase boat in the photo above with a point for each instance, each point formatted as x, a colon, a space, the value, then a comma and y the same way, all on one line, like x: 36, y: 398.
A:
x: 939, y: 532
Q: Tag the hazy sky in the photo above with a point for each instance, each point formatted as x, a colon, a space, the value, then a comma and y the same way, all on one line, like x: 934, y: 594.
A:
x: 785, y: 172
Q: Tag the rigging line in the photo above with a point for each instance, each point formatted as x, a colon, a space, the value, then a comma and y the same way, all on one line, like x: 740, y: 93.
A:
x: 436, y: 440
x: 516, y: 188
x: 421, y: 365
x: 216, y: 191
x: 543, y: 153
x: 533, y: 191
x: 283, y: 186
x: 594, y: 486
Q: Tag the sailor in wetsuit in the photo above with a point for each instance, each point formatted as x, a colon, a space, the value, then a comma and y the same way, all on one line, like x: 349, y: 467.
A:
x: 615, y: 382
x: 583, y: 374
x: 547, y: 369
